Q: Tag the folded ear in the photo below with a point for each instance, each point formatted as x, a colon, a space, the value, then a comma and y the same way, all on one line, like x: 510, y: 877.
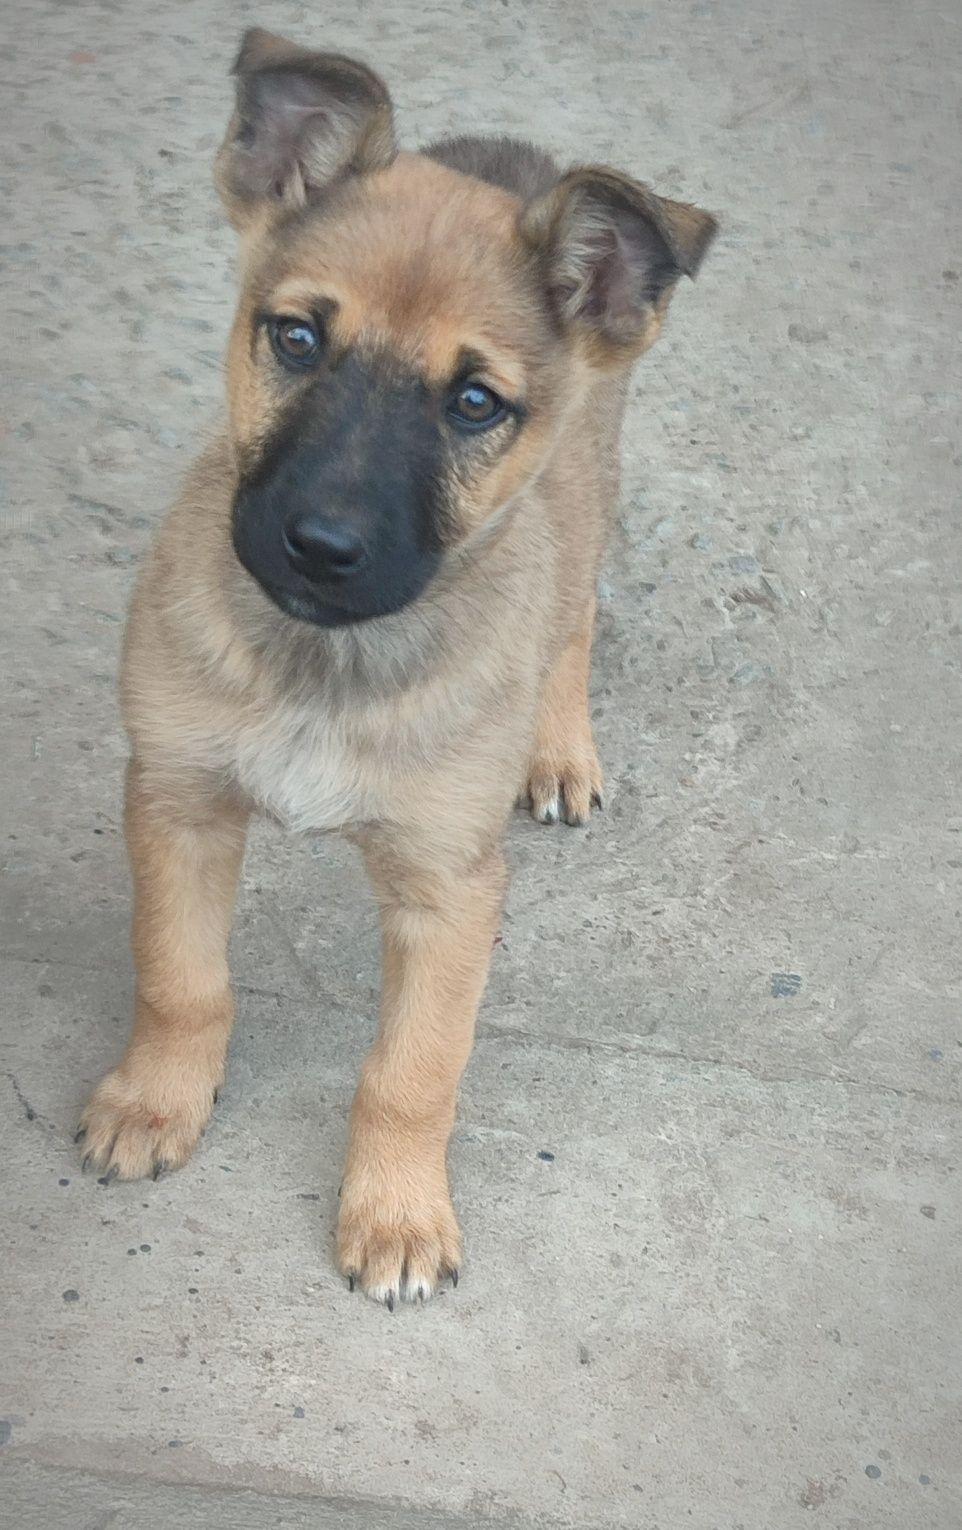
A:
x: 612, y: 252
x: 302, y: 119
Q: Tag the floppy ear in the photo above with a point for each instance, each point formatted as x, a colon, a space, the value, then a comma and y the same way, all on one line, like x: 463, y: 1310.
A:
x: 302, y: 119
x: 612, y: 252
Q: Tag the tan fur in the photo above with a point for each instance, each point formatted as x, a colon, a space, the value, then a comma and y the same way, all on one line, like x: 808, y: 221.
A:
x: 564, y: 776
x: 412, y: 734
x: 186, y: 852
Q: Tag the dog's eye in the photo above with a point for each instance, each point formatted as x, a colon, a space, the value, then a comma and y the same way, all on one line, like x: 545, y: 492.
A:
x: 295, y: 342
x: 475, y: 407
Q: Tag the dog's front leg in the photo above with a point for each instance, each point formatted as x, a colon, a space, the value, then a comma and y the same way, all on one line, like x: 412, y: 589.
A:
x: 564, y: 776
x: 397, y: 1233
x: 186, y: 846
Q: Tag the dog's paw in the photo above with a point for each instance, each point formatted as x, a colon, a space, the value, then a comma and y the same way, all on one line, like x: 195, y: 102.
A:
x: 397, y: 1248
x: 135, y: 1129
x: 565, y: 787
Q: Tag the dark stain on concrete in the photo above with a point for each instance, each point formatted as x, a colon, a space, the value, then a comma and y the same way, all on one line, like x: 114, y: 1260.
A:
x: 785, y: 985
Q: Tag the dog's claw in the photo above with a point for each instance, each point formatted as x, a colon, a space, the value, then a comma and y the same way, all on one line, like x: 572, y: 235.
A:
x: 351, y: 1281
x: 80, y: 1134
x: 109, y: 1177
x: 85, y: 1162
x: 389, y: 1301
x: 216, y: 1095
x: 455, y: 1277
x: 160, y: 1167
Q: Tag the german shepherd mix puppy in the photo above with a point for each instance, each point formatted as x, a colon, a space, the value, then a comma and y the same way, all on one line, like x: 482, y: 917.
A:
x: 372, y: 608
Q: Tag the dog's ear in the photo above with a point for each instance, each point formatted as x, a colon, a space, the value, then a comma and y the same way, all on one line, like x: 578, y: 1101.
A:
x: 302, y: 119
x: 611, y: 253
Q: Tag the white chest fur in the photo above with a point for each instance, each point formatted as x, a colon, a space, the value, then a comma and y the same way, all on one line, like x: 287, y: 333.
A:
x: 298, y: 767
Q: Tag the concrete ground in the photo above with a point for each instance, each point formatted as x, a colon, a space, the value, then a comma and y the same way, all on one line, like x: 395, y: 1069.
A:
x: 707, y: 1144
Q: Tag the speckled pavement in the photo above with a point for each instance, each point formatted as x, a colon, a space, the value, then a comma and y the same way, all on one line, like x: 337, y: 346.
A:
x: 707, y: 1154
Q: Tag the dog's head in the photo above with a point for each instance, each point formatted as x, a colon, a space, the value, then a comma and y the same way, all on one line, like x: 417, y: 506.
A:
x: 409, y: 340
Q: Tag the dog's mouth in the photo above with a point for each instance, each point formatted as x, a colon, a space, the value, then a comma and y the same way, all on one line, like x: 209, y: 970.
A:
x: 307, y: 605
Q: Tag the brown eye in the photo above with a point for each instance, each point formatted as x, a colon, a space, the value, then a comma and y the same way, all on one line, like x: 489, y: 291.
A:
x: 295, y: 342
x: 475, y: 407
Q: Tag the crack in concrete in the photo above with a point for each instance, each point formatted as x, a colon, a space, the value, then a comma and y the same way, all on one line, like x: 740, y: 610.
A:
x: 627, y: 1048
x: 30, y: 1111
x: 623, y: 1047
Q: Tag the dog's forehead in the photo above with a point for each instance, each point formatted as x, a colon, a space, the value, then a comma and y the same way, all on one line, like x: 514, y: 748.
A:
x: 416, y: 259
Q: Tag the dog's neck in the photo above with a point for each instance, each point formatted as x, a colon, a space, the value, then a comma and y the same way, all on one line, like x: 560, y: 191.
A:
x: 390, y: 655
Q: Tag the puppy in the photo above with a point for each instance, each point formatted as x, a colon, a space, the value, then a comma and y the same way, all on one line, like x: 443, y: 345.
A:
x: 371, y: 609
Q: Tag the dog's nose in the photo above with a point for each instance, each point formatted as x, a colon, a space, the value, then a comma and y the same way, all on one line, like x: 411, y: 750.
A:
x: 319, y: 548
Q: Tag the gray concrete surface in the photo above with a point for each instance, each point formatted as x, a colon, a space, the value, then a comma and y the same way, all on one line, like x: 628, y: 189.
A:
x: 729, y: 1300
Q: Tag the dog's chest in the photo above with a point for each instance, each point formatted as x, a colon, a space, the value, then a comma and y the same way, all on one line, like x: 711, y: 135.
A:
x: 298, y: 767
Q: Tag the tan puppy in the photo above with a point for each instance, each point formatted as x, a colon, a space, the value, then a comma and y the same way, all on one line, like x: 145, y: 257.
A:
x: 371, y: 609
